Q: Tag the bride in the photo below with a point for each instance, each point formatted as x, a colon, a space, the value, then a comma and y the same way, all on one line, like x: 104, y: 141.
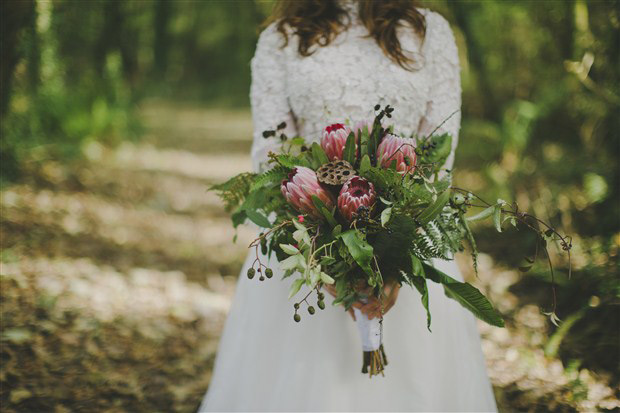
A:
x: 321, y: 62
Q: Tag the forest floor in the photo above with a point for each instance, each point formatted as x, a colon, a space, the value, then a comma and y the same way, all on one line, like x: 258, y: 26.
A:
x: 117, y: 273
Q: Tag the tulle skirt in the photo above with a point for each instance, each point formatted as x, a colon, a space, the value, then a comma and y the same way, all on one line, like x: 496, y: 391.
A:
x: 268, y: 362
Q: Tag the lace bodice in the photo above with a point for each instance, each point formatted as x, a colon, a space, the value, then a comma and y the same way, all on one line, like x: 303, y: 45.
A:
x: 344, y: 80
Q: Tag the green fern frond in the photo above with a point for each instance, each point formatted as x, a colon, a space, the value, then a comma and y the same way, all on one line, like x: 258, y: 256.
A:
x: 234, y: 191
x: 270, y: 177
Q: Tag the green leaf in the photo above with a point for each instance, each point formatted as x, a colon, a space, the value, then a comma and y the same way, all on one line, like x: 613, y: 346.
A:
x: 365, y: 164
x: 373, y: 141
x: 482, y: 214
x: 271, y: 177
x: 295, y: 287
x: 337, y: 230
x: 239, y: 217
x: 348, y: 154
x: 434, y: 209
x: 439, y: 153
x: 320, y: 205
x: 289, y: 249
x: 326, y: 278
x: 326, y: 260
x: 319, y: 155
x: 385, y: 216
x: 416, y: 266
x: 497, y: 217
x: 291, y: 263
x: 360, y: 250
x: 364, y: 136
x: 297, y: 141
x: 419, y: 282
x: 467, y: 295
x: 258, y: 218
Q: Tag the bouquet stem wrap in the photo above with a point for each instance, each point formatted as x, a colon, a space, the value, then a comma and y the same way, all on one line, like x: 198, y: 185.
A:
x: 374, y: 360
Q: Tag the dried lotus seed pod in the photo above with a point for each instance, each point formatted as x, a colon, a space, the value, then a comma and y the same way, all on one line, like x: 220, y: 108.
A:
x: 335, y: 172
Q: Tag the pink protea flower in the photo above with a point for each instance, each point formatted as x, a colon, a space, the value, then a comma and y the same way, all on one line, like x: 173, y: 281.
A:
x: 299, y: 188
x: 356, y: 192
x: 334, y: 139
x: 392, y: 148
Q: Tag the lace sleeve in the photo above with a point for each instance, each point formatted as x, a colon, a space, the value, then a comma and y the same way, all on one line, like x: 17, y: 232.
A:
x: 268, y: 95
x: 445, y: 91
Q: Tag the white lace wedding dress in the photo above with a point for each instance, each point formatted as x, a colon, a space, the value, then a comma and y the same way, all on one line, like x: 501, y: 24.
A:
x: 266, y: 361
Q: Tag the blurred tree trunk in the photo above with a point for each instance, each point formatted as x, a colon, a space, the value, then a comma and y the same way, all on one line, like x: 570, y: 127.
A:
x: 15, y: 16
x: 115, y: 35
x: 161, y: 41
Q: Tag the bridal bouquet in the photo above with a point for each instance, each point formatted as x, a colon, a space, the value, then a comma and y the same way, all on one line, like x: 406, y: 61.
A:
x: 363, y: 208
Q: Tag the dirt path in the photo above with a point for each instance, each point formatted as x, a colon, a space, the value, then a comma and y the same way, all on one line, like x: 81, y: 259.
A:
x: 117, y: 274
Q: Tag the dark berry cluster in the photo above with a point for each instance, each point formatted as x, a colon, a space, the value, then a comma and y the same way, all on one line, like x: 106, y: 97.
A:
x: 423, y: 149
x: 277, y: 132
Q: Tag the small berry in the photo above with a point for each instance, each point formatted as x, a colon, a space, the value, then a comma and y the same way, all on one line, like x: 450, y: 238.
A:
x: 297, y: 318
x: 262, y: 278
x: 311, y: 310
x: 296, y: 306
x: 321, y: 304
x: 300, y: 218
x: 321, y: 296
x: 251, y: 273
x: 269, y: 273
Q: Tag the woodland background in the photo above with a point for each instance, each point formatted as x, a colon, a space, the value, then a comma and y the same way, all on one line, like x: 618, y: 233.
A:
x: 117, y: 267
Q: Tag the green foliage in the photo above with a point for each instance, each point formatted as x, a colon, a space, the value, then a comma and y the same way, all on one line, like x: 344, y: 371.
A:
x: 434, y: 209
x: 234, y: 191
x: 440, y: 148
x: 318, y: 155
x: 360, y: 250
x: 418, y: 280
x: 349, y: 153
x: 467, y: 295
x: 270, y: 177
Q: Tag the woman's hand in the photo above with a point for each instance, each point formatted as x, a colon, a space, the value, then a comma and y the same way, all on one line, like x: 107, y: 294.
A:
x: 372, y: 308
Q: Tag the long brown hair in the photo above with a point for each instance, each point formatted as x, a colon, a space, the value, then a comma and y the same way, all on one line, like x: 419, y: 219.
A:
x: 320, y: 21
